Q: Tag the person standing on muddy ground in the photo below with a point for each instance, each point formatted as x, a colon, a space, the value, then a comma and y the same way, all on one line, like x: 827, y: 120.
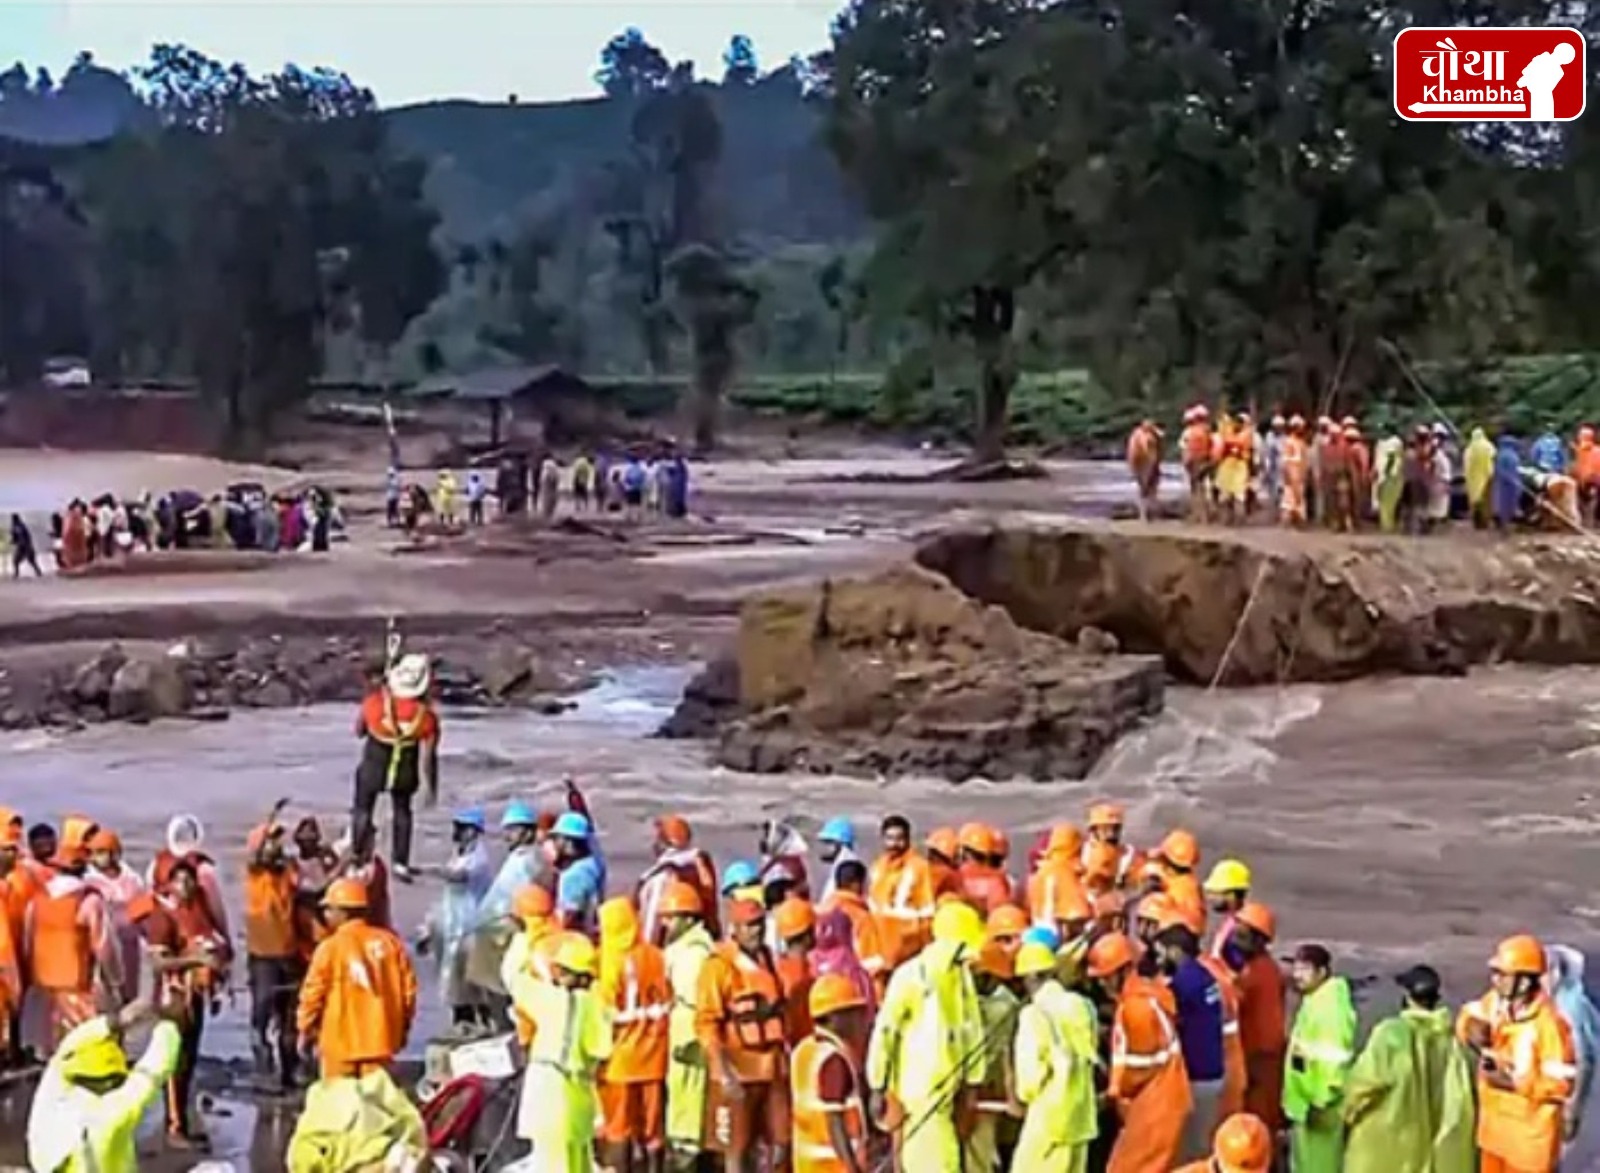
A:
x: 1322, y: 1046
x: 273, y: 949
x: 22, y: 551
x: 476, y: 490
x: 549, y: 486
x: 196, y: 938
x: 582, y: 482
x: 400, y: 754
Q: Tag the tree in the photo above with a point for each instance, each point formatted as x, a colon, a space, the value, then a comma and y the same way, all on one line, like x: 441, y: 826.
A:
x: 630, y: 66
x: 714, y: 303
x: 739, y: 64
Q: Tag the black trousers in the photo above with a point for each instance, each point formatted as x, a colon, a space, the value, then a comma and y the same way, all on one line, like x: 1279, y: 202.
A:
x: 370, y: 784
x: 274, y: 990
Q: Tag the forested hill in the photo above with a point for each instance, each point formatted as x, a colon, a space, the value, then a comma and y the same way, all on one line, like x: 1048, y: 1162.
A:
x: 776, y: 180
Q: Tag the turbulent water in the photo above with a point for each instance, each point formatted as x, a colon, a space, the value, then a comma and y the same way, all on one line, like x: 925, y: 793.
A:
x: 1395, y: 821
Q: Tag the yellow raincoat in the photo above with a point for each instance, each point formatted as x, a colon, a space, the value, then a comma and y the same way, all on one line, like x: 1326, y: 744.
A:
x: 355, y: 1123
x: 560, y: 1106
x: 1478, y: 465
x: 926, y: 1049
x: 1055, y: 1060
x: 686, y: 1070
x: 1408, y: 1100
x: 1000, y: 1009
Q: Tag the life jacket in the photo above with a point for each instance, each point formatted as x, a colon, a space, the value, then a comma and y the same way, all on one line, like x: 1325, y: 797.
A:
x: 165, y: 860
x: 399, y: 725
x: 755, y: 1008
x: 1127, y: 858
x: 61, y: 955
x: 813, y: 1146
x: 197, y: 929
x: 1196, y: 445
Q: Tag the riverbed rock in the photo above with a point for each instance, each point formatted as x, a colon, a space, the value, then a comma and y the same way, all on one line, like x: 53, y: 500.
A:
x: 1262, y: 606
x: 91, y: 683
x: 148, y: 687
x: 902, y: 673
x: 710, y: 700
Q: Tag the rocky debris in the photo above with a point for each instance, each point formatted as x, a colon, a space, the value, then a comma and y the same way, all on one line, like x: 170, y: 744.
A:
x: 710, y: 700
x: 1259, y: 606
x: 902, y: 673
x: 148, y: 687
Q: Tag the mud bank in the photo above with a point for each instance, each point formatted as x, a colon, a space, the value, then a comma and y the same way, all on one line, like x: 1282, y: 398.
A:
x: 1293, y: 606
x: 903, y: 674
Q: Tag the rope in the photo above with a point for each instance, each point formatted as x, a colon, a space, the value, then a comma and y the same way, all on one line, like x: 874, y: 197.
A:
x: 1238, y: 628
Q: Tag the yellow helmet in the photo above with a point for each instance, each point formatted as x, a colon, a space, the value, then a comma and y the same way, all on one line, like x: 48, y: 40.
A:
x: 1034, y: 958
x: 1229, y: 875
x: 576, y: 954
x: 99, y: 1059
x: 959, y: 923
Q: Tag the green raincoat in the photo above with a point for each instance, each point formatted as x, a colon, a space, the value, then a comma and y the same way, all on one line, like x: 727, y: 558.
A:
x: 1408, y: 1101
x: 1322, y: 1046
x: 981, y: 1148
x: 1478, y: 466
x: 1388, y: 462
x: 1055, y: 1059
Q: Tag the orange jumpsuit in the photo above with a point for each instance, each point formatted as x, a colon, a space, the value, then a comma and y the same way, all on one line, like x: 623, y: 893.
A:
x: 1108, y: 866
x: 1183, y: 890
x: 739, y: 1020
x: 1264, y: 1036
x: 796, y: 977
x: 359, y: 999
x: 1196, y: 445
x: 68, y: 943
x: 1234, y: 1078
x: 1148, y: 1082
x: 1520, y: 1131
x: 901, y: 895
x: 634, y: 986
x: 985, y: 887
x: 1053, y: 890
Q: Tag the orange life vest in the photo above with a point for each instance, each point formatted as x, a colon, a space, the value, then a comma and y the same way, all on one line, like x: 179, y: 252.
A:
x: 60, y: 955
x: 813, y: 1148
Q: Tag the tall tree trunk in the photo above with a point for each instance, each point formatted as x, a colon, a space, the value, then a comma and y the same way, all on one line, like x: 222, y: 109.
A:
x: 993, y: 315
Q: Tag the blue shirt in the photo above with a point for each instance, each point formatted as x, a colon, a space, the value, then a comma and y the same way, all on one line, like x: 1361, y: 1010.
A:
x: 1199, y: 1020
x: 579, y: 891
x: 1549, y: 453
x: 633, y: 475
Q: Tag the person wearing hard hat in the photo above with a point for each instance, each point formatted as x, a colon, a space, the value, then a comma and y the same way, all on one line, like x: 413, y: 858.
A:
x: 1201, y: 1018
x: 741, y: 880
x: 1263, y: 1022
x: 359, y: 998
x: 795, y: 929
x: 1105, y: 827
x: 581, y: 871
x: 927, y: 1045
x: 900, y: 893
x: 984, y: 883
x: 1243, y: 1145
x: 943, y: 851
x: 1322, y: 1046
x: 1055, y: 1056
x: 1148, y: 1084
x: 996, y: 1118
x: 1005, y: 926
x: 739, y: 1022
x: 836, y: 844
x: 677, y: 860
x: 1408, y: 1102
x: 689, y: 945
x: 72, y: 954
x: 495, y: 923
x: 1058, y: 880
x: 449, y: 929
x: 637, y: 996
x: 560, y: 1109
x: 1527, y: 1065
x: 830, y: 1122
x: 399, y: 731
x: 1179, y: 856
x: 1227, y: 887
x: 89, y: 1102
x: 1195, y: 446
x: 530, y: 949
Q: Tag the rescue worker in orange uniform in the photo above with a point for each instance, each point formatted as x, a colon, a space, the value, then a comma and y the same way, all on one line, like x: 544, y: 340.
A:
x: 984, y: 883
x: 1144, y: 462
x: 739, y: 1022
x: 900, y: 894
x: 67, y: 938
x: 1057, y: 884
x: 1105, y: 827
x: 16, y: 890
x: 1148, y: 1084
x: 399, y: 732
x: 1586, y: 471
x: 1243, y: 1145
x: 532, y: 948
x: 634, y: 987
x: 360, y: 994
x: 1005, y: 926
x: 944, y: 852
x: 272, y: 952
x: 1179, y: 856
x: 1196, y: 446
x: 1263, y: 1023
x: 677, y: 859
x: 1296, y: 469
x: 796, y: 923
x: 830, y: 1120
x: 1527, y: 1065
x: 849, y: 897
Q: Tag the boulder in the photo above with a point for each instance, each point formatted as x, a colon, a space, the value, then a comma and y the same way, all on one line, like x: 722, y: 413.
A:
x: 902, y: 673
x: 91, y: 683
x: 1265, y: 605
x: 710, y: 700
x: 148, y: 687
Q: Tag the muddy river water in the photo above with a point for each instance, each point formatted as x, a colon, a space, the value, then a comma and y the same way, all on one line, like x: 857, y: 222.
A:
x: 1395, y: 821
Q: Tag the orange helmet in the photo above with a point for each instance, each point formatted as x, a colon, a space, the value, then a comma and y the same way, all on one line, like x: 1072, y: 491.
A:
x: 1065, y: 839
x: 1153, y: 907
x: 833, y: 992
x: 1073, y: 904
x: 1242, y: 1145
x: 531, y: 902
x: 1519, y: 954
x: 680, y: 899
x: 943, y: 841
x: 1007, y: 920
x: 673, y: 830
x: 1258, y: 917
x: 1105, y: 814
x: 995, y: 959
x: 1109, y: 955
x: 1171, y: 914
x: 346, y: 893
x: 1181, y: 850
x: 794, y: 918
x: 979, y: 838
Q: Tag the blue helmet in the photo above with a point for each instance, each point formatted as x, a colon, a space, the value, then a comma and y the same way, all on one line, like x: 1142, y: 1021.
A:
x: 572, y: 825
x: 741, y: 873
x: 471, y: 816
x: 1042, y: 935
x: 519, y: 814
x: 838, y: 830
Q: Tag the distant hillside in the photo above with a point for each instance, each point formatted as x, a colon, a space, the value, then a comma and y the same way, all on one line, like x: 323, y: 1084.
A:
x: 778, y: 182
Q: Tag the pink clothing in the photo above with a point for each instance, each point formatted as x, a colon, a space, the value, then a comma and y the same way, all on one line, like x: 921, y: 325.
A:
x: 835, y: 952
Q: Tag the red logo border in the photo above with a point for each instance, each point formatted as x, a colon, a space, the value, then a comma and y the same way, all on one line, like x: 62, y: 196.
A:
x: 1394, y: 54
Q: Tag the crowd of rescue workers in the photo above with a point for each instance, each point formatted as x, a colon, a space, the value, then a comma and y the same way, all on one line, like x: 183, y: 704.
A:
x: 944, y: 1007
x: 1335, y: 476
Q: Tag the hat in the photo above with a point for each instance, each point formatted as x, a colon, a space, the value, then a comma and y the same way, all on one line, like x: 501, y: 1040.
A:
x: 409, y: 677
x: 572, y: 825
x: 745, y: 912
x: 838, y: 830
x: 101, y: 1058
x: 519, y: 814
x: 472, y: 817
x: 1420, y: 981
